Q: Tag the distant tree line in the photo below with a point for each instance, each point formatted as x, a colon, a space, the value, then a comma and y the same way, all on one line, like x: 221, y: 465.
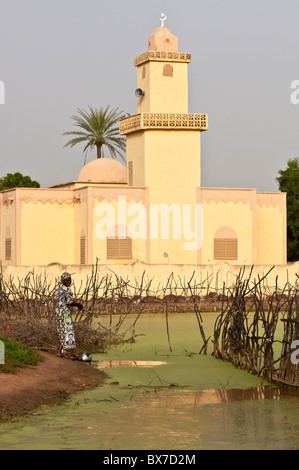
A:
x: 288, y: 181
x: 17, y: 180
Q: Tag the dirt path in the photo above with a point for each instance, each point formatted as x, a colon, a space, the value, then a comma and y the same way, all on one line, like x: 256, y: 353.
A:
x: 50, y: 380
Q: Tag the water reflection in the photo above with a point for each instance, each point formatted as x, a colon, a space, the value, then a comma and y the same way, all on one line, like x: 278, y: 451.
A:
x: 127, y: 413
x: 260, y: 418
x: 207, y: 397
x: 116, y: 363
x: 257, y: 418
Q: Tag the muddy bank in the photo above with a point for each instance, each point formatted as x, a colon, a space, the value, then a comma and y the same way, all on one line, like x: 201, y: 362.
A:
x: 49, y: 381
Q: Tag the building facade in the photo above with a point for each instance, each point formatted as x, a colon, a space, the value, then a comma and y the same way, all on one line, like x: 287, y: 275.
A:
x: 154, y: 210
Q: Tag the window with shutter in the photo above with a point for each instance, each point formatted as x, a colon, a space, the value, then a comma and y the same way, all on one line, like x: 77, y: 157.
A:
x: 130, y: 172
x: 225, y: 248
x: 82, y: 250
x: 119, y: 248
x: 225, y: 244
x: 8, y: 249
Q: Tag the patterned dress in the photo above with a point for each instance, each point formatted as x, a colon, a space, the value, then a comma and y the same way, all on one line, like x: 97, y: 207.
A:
x: 65, y: 328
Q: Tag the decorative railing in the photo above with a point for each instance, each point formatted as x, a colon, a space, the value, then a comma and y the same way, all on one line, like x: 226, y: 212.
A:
x: 162, y: 56
x: 163, y: 121
x: 130, y: 124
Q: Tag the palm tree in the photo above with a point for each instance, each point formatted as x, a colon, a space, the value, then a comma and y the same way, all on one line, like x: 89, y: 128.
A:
x: 99, y: 128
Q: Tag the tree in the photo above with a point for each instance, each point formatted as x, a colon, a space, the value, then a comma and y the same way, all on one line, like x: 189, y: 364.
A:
x: 289, y: 182
x: 99, y: 128
x: 17, y: 180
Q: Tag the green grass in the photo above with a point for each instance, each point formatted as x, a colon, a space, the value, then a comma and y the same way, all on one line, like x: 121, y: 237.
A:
x: 17, y: 355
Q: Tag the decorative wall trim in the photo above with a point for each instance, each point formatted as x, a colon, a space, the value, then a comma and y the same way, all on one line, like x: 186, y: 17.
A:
x: 162, y: 56
x: 272, y: 200
x: 227, y: 195
x: 42, y: 195
x: 175, y: 121
x: 132, y: 193
x: 51, y: 200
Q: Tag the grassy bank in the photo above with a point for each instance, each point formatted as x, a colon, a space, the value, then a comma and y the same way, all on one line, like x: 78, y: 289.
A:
x: 17, y: 355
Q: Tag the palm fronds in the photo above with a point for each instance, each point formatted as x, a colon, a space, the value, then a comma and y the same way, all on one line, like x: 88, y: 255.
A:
x: 98, y: 128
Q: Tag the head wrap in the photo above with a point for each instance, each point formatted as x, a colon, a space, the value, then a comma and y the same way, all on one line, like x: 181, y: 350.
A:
x: 64, y: 276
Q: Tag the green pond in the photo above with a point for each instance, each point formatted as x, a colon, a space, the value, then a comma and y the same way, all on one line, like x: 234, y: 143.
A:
x: 155, y: 398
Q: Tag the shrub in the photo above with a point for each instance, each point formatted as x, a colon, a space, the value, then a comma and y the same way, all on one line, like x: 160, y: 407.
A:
x: 17, y: 355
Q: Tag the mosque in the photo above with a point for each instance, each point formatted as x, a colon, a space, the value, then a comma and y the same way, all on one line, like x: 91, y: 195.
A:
x: 154, y: 210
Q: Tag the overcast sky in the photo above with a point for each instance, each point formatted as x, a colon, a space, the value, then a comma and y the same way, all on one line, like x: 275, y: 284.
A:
x: 60, y: 55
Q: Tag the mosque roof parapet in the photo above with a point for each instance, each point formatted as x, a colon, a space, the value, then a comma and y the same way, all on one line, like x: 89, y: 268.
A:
x: 162, y: 56
x: 163, y: 121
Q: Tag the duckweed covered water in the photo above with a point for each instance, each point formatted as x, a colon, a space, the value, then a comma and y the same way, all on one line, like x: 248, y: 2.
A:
x: 179, y: 401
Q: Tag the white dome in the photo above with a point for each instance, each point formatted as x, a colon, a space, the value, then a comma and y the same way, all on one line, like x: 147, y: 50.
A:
x: 103, y: 170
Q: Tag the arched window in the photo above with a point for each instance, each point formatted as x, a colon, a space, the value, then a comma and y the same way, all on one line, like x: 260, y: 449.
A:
x: 119, y: 243
x: 225, y: 244
x: 168, y: 70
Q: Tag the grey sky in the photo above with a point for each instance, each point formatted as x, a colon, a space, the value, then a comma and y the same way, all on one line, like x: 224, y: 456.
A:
x: 60, y: 55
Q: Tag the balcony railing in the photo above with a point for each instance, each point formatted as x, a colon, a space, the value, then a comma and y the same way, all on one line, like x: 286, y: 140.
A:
x: 163, y: 121
x: 162, y: 56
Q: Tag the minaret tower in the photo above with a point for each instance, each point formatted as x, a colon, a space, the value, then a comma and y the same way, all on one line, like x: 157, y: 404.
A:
x: 163, y: 139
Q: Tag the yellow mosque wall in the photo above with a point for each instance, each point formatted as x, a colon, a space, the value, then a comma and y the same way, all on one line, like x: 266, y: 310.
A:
x: 270, y: 242
x: 166, y: 161
x: 81, y: 227
x: 135, y: 155
x: 163, y: 93
x: 171, y: 251
x: 172, y: 165
x: 236, y: 215
x: 47, y: 233
x: 271, y: 228
x: 51, y: 231
x: 127, y: 219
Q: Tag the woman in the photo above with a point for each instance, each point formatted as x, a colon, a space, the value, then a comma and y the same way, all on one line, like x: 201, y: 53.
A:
x: 65, y: 328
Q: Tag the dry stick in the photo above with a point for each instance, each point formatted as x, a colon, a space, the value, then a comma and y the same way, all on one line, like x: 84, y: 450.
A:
x: 166, y: 316
x: 199, y: 320
x: 219, y: 322
x: 34, y: 294
x: 287, y: 372
x: 269, y: 321
x: 133, y: 326
x: 167, y: 328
